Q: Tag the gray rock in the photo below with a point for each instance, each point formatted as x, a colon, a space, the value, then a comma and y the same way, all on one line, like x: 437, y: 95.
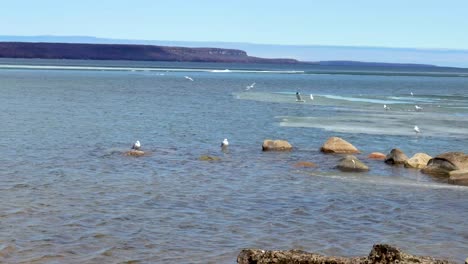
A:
x: 395, y: 157
x: 459, y: 177
x: 444, y: 163
x: 276, y: 145
x: 418, y: 161
x: 351, y: 163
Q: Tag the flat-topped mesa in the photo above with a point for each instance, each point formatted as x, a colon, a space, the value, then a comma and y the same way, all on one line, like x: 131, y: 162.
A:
x: 131, y: 52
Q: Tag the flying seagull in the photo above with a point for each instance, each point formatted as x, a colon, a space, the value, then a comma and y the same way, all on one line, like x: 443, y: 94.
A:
x: 416, y: 129
x: 250, y: 87
x: 311, y: 97
x: 412, y: 94
x: 418, y: 108
x: 188, y: 78
x: 136, y: 145
x: 386, y: 107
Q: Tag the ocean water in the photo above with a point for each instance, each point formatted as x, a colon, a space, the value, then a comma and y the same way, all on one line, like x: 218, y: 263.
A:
x: 70, y: 195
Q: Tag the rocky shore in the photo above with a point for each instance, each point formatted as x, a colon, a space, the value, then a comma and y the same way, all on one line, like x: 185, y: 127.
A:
x: 380, y: 254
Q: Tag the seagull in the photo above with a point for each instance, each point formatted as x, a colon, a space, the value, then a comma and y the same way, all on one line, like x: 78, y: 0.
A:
x: 418, y: 108
x: 311, y: 97
x: 225, y: 143
x: 354, y: 163
x: 412, y: 94
x: 298, y: 97
x: 136, y: 145
x: 250, y: 87
x: 386, y: 107
x: 416, y: 129
x: 188, y: 78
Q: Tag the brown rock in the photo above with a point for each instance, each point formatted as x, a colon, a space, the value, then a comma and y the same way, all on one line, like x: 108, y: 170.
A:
x: 351, y: 163
x: 209, y: 158
x: 380, y: 254
x: 338, y: 145
x: 444, y: 163
x: 418, y: 161
x: 304, y: 164
x: 276, y: 145
x: 459, y: 177
x: 377, y: 156
x: 135, y: 153
x: 396, y: 156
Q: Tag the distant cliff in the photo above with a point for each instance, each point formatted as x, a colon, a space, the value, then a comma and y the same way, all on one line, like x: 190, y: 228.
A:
x: 41, y: 50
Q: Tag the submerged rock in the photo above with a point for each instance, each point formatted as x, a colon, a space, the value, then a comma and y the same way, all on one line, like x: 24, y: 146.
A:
x: 351, y: 163
x: 208, y: 158
x: 459, y: 177
x: 339, y: 146
x: 135, y: 153
x: 304, y: 164
x: 377, y: 156
x: 380, y: 254
x: 418, y: 161
x: 276, y: 145
x: 395, y: 157
x: 444, y: 163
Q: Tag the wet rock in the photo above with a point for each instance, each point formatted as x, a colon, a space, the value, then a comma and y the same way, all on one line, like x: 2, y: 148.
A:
x: 418, y: 161
x: 444, y: 163
x: 339, y: 146
x: 395, y: 157
x: 276, y: 145
x: 459, y: 177
x: 304, y: 164
x: 135, y: 153
x: 380, y: 254
x: 377, y: 156
x: 351, y: 163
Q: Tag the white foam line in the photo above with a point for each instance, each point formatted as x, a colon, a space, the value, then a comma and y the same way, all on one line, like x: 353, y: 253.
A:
x: 96, y: 68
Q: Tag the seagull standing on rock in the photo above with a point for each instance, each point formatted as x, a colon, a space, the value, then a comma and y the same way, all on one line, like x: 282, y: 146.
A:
x: 136, y: 145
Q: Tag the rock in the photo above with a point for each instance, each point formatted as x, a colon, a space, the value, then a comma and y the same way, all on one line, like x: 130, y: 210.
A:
x: 418, y: 161
x: 351, y: 163
x: 466, y: 261
x: 396, y: 156
x: 276, y: 145
x: 339, y: 146
x: 135, y: 153
x: 209, y: 158
x: 304, y: 164
x: 377, y: 156
x: 380, y: 254
x: 444, y: 163
x: 459, y: 177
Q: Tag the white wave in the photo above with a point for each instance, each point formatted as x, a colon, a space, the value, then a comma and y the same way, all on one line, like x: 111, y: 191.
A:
x: 226, y: 70
x: 365, y: 100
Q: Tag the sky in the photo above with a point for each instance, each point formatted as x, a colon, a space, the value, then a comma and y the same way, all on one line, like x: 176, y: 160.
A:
x: 397, y: 23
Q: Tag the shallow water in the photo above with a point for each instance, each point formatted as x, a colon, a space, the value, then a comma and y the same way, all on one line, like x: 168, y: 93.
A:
x: 70, y: 195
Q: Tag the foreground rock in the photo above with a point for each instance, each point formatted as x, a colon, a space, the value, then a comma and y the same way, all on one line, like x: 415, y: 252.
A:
x: 135, y: 153
x: 459, y: 177
x: 380, y: 254
x: 418, y: 161
x: 444, y: 163
x: 396, y: 157
x: 377, y: 156
x: 339, y: 146
x: 351, y: 163
x: 276, y: 145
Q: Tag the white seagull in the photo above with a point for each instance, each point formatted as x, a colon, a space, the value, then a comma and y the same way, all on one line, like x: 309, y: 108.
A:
x: 136, y: 145
x: 418, y: 108
x: 386, y: 107
x: 188, y: 78
x: 311, y: 97
x: 250, y: 87
x: 412, y: 94
x: 225, y: 143
x: 416, y: 129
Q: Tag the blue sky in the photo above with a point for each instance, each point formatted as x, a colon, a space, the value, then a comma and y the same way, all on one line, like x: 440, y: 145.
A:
x: 396, y: 23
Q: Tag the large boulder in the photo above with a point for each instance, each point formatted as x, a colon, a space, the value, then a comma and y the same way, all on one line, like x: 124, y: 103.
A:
x: 377, y: 156
x: 395, y: 157
x: 459, y: 177
x: 339, y: 146
x: 351, y: 163
x: 444, y: 163
x: 380, y: 254
x: 418, y: 161
x: 276, y: 145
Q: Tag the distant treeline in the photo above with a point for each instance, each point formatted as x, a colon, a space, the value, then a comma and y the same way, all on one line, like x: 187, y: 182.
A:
x: 40, y: 50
